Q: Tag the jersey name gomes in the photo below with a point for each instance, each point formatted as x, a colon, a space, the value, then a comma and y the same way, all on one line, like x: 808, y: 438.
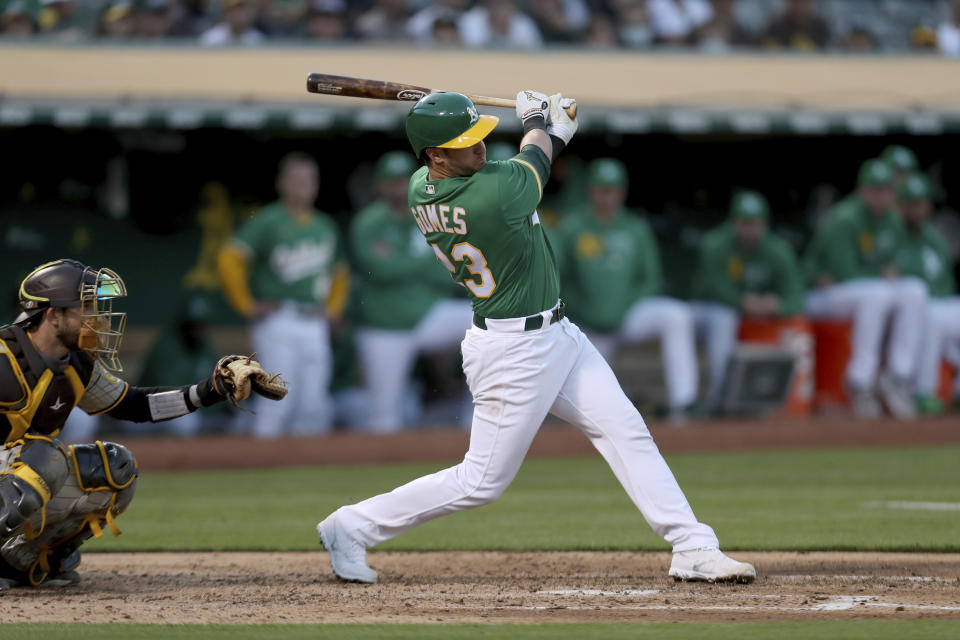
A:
x: 442, y: 218
x: 485, y: 231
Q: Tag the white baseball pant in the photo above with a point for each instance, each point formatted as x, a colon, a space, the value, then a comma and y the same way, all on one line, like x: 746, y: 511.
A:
x: 387, y: 357
x: 298, y: 346
x: 717, y: 325
x: 517, y: 377
x: 941, y: 331
x: 869, y: 302
x: 672, y: 322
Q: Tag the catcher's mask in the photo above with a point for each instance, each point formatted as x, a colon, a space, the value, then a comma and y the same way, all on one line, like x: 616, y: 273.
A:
x: 68, y: 283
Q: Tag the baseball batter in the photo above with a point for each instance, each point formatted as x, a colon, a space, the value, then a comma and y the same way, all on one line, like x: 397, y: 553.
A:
x: 924, y: 254
x: 743, y: 270
x: 851, y: 262
x: 283, y: 271
x: 522, y: 358
x: 612, y: 278
x: 59, y: 354
x: 398, y: 274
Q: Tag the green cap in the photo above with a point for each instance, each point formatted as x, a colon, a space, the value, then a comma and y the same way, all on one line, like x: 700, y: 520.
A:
x: 395, y: 164
x: 446, y: 119
x: 874, y: 172
x: 607, y: 172
x: 749, y: 205
x: 500, y: 151
x: 914, y: 187
x: 900, y: 158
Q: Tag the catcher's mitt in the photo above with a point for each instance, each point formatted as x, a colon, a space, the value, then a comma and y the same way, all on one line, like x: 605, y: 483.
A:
x: 237, y: 376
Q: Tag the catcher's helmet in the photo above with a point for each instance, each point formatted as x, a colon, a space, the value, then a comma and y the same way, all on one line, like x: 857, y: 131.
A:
x: 67, y: 283
x: 54, y: 284
x: 447, y: 119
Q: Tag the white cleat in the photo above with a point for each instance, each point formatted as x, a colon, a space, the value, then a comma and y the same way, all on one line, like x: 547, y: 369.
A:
x: 347, y: 556
x: 710, y: 565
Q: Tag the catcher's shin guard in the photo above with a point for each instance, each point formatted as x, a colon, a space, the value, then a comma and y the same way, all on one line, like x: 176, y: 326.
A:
x: 32, y: 470
x: 101, y: 485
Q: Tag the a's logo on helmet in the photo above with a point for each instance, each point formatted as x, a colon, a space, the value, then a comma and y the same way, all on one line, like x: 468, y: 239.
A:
x: 472, y: 112
x: 410, y: 94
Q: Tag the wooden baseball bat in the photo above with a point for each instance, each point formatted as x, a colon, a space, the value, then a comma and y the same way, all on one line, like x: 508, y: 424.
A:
x: 385, y: 90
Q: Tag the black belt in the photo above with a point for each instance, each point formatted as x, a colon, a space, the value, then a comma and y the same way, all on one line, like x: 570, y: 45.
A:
x: 532, y: 323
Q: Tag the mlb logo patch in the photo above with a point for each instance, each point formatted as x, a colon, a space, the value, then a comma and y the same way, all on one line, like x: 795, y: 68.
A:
x: 431, y: 190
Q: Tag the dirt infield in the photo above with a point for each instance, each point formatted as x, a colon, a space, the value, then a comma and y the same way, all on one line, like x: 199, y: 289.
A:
x: 490, y: 587
x: 158, y: 454
x: 452, y: 587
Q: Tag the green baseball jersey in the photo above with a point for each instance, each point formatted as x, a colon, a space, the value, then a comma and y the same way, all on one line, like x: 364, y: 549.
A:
x: 853, y: 243
x: 607, y: 266
x: 289, y: 260
x: 398, y: 277
x: 726, y: 271
x: 924, y: 254
x: 486, y: 231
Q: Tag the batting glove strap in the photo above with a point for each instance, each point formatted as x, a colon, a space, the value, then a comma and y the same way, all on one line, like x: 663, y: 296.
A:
x: 532, y: 104
x: 533, y: 123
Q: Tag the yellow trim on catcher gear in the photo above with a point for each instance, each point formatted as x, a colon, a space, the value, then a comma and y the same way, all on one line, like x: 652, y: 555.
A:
x: 20, y: 420
x: 23, y: 291
x: 21, y: 379
x: 43, y: 562
x: 106, y: 468
x: 32, y: 478
x: 126, y: 387
x: 474, y: 134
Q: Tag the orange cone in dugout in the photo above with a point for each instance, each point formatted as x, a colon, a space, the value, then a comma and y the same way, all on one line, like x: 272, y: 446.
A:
x: 796, y: 336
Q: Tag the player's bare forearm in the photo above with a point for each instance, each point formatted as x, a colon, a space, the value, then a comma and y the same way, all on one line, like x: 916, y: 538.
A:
x: 539, y: 138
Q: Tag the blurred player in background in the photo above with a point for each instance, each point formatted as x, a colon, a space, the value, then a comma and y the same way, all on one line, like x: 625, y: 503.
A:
x: 403, y: 303
x: 924, y: 254
x: 744, y: 271
x: 611, y: 275
x: 282, y: 271
x: 902, y: 161
x: 181, y: 352
x: 851, y: 263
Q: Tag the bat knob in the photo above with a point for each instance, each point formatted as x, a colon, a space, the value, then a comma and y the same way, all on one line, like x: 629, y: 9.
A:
x: 571, y: 111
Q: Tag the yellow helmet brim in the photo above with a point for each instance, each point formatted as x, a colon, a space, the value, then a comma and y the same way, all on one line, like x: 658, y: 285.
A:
x: 474, y: 134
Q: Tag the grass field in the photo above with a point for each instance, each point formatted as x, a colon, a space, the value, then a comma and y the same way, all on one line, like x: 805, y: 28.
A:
x: 867, y: 630
x: 772, y: 500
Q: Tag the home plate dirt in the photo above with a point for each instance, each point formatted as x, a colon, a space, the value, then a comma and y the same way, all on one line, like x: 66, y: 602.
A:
x: 450, y: 587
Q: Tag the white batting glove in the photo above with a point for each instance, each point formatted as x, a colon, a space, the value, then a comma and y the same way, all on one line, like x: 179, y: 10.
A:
x: 559, y: 124
x: 531, y: 104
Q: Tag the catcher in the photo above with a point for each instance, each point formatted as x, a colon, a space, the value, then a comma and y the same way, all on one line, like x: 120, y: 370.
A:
x: 57, y: 355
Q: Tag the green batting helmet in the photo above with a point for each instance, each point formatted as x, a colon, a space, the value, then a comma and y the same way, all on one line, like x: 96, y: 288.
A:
x: 448, y: 120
